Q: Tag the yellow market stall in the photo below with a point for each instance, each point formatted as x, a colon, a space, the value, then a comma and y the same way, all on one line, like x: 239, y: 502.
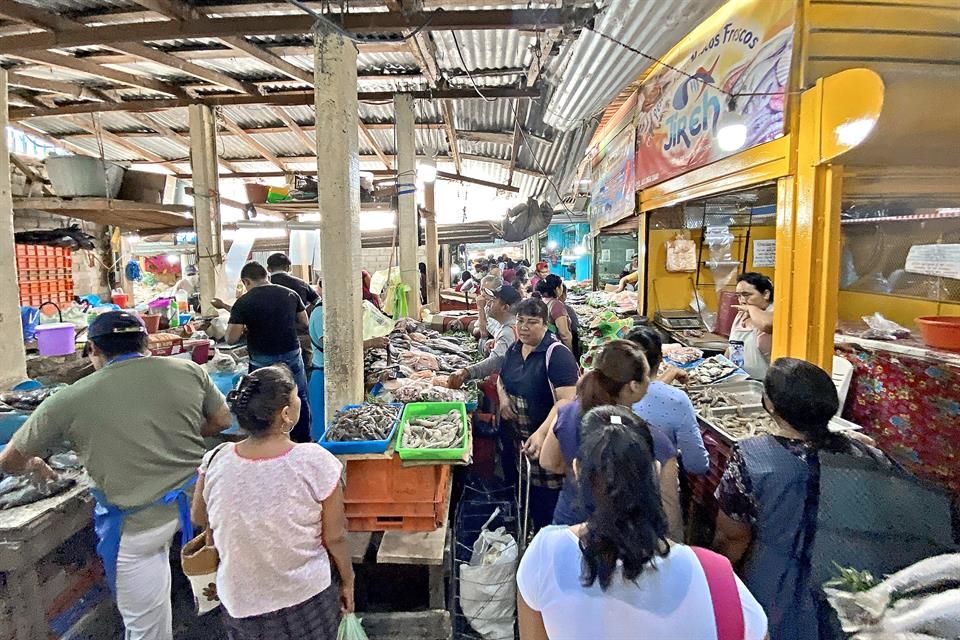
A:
x: 815, y: 141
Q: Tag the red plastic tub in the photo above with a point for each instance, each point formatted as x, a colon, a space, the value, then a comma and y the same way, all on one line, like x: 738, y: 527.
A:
x: 941, y: 332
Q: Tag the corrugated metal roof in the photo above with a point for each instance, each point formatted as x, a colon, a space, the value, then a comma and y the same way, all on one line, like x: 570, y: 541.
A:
x: 481, y: 115
x: 483, y: 50
x: 74, y: 7
x: 489, y: 149
x: 593, y: 70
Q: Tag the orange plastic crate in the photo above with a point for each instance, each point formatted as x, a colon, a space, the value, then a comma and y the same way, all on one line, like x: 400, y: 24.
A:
x: 382, y: 495
x: 410, y: 524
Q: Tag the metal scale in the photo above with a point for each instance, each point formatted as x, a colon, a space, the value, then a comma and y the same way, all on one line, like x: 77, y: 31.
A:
x: 677, y: 321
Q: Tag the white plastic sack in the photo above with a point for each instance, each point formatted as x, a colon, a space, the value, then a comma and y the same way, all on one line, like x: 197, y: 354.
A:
x: 488, y: 591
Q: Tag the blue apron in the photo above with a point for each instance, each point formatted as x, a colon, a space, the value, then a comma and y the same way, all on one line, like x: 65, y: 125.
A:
x: 108, y: 524
x: 108, y: 518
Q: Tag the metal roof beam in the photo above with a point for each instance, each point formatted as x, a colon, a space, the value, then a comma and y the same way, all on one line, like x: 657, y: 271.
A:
x: 292, y: 126
x: 288, y: 98
x: 69, y: 89
x: 54, y: 23
x: 369, y: 23
x: 120, y: 141
x: 239, y: 43
x: 542, y: 51
x: 251, y: 141
x: 189, y: 68
x: 387, y: 162
x: 64, y: 61
x: 183, y: 140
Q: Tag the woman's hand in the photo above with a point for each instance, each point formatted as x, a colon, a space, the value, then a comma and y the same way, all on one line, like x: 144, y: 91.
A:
x: 533, y: 445
x: 507, y: 412
x: 346, y: 598
x: 40, y: 471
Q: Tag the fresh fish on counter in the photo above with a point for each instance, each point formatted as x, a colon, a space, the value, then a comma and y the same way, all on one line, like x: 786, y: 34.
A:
x: 28, y: 400
x: 366, y: 422
x: 16, y: 491
x: 745, y: 426
x: 937, y: 615
x: 711, y: 370
x: 434, y: 432
x: 859, y: 610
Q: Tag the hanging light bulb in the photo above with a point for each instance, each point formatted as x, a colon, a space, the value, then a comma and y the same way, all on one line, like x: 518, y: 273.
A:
x: 732, y: 128
x: 427, y: 171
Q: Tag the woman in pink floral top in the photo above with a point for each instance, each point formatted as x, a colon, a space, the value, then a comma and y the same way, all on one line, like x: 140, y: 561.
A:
x: 277, y: 516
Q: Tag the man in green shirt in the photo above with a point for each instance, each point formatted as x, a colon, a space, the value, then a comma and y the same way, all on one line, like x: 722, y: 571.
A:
x: 137, y: 424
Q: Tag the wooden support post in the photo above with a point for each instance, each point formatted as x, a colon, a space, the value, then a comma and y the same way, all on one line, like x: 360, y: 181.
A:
x: 407, y: 207
x: 447, y: 264
x: 338, y: 161
x: 206, y: 204
x: 12, y: 355
x: 433, y: 247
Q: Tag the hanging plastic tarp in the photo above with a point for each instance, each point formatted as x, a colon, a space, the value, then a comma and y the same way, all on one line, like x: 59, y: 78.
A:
x: 525, y: 220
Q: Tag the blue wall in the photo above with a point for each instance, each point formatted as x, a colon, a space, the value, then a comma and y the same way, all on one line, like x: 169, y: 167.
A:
x: 568, y: 236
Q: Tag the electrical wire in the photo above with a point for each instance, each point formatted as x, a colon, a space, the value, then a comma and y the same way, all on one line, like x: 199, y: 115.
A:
x: 467, y: 69
x: 336, y: 28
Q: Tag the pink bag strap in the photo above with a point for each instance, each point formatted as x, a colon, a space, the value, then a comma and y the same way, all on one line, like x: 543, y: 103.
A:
x: 727, y: 609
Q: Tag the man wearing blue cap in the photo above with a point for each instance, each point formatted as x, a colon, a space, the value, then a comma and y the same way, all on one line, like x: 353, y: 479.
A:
x: 137, y: 423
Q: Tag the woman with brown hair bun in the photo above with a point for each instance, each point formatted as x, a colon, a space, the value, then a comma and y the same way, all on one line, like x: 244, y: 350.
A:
x: 620, y: 377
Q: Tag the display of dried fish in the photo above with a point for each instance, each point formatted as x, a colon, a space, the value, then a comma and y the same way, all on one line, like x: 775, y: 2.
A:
x: 434, y: 432
x: 366, y: 422
x: 711, y: 370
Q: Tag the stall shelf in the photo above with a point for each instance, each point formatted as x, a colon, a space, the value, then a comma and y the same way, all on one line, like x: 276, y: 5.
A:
x: 145, y: 218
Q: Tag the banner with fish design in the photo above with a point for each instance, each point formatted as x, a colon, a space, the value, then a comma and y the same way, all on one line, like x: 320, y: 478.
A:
x: 743, y: 49
x: 614, y: 192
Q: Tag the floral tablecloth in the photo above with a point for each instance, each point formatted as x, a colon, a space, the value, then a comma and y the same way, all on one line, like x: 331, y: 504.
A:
x: 910, y: 404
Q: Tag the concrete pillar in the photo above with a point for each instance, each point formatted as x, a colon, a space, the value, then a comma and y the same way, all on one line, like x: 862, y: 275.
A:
x: 206, y: 204
x: 433, y: 247
x: 407, y: 203
x: 338, y: 165
x: 12, y: 356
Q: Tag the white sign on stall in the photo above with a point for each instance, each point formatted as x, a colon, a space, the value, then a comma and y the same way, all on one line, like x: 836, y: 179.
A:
x: 764, y: 253
x: 942, y: 260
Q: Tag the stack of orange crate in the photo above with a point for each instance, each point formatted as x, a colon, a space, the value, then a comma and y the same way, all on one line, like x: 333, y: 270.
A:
x: 382, y: 495
x: 44, y: 274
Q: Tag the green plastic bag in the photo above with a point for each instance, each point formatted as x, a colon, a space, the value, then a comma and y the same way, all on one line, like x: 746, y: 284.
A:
x: 351, y: 629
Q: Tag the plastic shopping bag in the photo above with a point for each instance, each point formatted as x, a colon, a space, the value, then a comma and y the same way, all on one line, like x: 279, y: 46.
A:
x: 351, y: 629
x: 488, y: 585
x: 376, y: 324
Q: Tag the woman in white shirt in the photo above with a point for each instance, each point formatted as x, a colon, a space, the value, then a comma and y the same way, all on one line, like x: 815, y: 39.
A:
x: 615, y: 576
x: 276, y: 512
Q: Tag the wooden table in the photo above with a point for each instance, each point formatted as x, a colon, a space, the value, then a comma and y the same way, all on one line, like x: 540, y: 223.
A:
x: 429, y: 549
x: 29, y: 533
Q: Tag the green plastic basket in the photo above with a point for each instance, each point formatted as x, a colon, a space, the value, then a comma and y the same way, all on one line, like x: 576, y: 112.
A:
x: 416, y: 410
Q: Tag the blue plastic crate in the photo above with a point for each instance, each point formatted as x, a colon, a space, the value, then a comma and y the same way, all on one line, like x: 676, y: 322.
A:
x: 362, y: 446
